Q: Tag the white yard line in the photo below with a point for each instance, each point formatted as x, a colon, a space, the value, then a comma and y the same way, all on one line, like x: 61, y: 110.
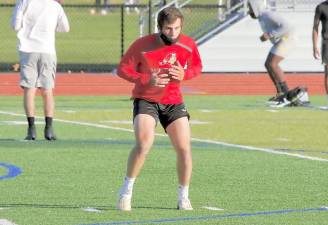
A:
x: 6, y: 222
x: 220, y: 143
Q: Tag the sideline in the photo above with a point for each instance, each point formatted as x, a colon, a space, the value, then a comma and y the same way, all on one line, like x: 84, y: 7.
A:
x: 244, y: 147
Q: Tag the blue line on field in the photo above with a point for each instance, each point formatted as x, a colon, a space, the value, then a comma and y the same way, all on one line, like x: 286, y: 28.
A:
x: 213, y: 217
x: 13, y: 171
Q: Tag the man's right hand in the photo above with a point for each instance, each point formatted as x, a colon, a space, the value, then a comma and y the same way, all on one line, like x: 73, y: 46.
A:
x: 316, y: 53
x: 159, y: 80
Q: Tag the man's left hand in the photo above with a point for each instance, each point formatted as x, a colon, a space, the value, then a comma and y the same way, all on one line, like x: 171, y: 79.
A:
x: 176, y: 71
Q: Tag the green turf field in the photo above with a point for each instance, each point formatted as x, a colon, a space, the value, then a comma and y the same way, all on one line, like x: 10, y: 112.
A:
x: 85, y: 167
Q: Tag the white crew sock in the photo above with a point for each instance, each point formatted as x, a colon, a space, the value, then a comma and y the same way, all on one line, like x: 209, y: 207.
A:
x: 183, y: 192
x: 127, y: 187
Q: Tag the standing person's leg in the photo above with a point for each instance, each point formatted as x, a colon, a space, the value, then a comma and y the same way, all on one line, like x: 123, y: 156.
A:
x: 29, y: 107
x: 46, y: 82
x: 48, y: 109
x: 144, y: 129
x: 326, y: 79
x: 324, y: 58
x: 276, y: 73
x: 98, y: 3
x: 127, y: 3
x: 136, y: 9
x: 104, y: 8
x: 28, y: 79
x: 179, y: 133
x: 106, y: 3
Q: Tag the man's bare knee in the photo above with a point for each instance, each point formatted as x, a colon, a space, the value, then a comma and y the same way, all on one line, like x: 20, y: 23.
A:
x: 142, y: 149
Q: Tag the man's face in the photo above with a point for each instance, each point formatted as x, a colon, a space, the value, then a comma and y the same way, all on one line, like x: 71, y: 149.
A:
x: 172, y: 30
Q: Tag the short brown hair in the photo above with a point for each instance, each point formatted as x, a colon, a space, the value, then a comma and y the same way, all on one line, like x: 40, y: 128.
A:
x: 168, y: 15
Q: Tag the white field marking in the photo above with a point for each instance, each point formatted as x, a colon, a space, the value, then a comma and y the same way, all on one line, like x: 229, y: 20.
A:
x: 117, y: 121
x: 194, y: 122
x: 198, y: 122
x: 74, y: 122
x: 206, y: 110
x: 267, y: 150
x: 89, y: 209
x: 68, y: 111
x: 17, y: 122
x: 272, y: 110
x: 282, y: 139
x: 6, y: 222
x: 212, y: 208
x: 245, y: 147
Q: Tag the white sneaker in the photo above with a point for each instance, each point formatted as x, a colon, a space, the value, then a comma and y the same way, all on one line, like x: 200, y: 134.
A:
x: 184, y: 204
x: 92, y: 11
x: 283, y: 103
x: 103, y: 12
x: 124, y: 203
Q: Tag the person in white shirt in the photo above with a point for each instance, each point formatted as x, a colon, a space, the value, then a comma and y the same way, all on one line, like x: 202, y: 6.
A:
x: 36, y: 22
x: 128, y: 3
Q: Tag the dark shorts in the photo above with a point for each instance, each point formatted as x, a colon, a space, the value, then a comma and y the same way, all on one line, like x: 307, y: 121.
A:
x: 165, y: 113
x: 324, y: 52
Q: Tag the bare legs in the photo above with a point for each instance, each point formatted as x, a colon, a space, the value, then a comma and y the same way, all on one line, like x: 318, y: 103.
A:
x: 276, y: 74
x: 326, y: 79
x: 48, y: 108
x: 179, y: 134
x: 144, y: 128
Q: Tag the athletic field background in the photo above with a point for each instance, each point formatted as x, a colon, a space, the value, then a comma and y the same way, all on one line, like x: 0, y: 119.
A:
x: 94, y: 42
x: 253, y: 165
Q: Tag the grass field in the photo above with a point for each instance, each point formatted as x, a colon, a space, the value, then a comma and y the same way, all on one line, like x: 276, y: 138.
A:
x: 266, y: 183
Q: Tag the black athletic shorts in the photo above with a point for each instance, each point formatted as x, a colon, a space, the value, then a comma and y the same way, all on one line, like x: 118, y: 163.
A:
x: 324, y: 52
x: 165, y: 113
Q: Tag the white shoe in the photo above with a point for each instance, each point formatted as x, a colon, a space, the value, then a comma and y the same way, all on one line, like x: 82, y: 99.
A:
x: 92, y: 11
x: 103, y: 12
x: 280, y: 104
x: 124, y: 203
x: 184, y: 204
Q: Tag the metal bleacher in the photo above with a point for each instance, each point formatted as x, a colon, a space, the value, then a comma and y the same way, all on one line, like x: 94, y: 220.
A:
x: 237, y: 47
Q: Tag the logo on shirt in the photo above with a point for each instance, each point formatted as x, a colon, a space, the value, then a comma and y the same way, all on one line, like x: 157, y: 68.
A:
x: 169, y: 59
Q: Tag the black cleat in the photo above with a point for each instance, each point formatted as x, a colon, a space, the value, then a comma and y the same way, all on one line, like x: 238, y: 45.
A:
x: 278, y: 98
x: 49, y: 134
x: 31, y: 133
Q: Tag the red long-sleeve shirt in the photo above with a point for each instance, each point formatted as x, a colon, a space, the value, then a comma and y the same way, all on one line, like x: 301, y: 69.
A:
x: 149, y: 53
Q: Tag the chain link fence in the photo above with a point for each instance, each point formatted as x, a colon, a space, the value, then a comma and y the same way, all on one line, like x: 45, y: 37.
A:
x: 100, y: 35
x: 96, y: 41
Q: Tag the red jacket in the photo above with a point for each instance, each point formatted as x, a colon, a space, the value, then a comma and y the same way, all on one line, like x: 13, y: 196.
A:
x: 148, y: 53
